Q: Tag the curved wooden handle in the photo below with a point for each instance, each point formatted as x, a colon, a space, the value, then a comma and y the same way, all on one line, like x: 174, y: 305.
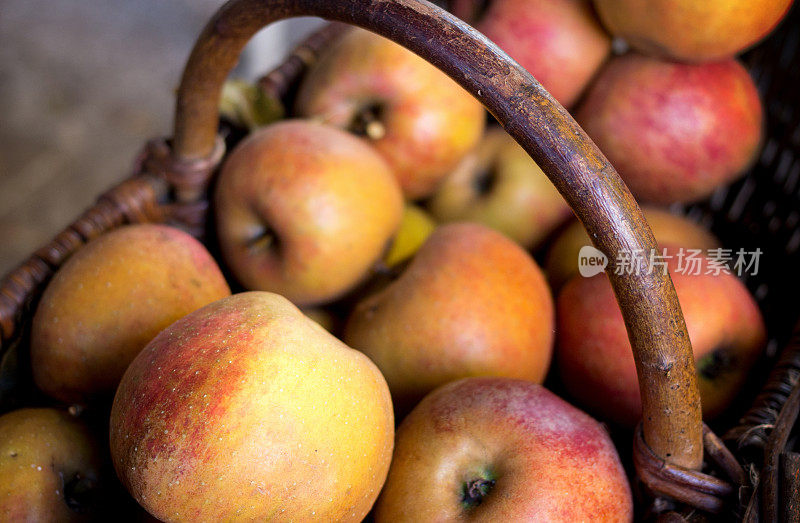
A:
x: 672, y: 420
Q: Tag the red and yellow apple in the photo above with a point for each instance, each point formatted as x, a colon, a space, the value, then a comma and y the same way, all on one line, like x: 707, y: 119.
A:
x: 109, y: 300
x: 495, y: 449
x: 691, y: 30
x: 304, y: 210
x: 674, y: 132
x: 471, y: 303
x: 248, y: 410
x: 420, y: 120
x: 595, y: 358
x: 560, y: 42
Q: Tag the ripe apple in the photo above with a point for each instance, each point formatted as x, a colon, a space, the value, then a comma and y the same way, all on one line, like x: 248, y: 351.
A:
x: 496, y: 449
x: 595, y: 357
x: 50, y: 469
x: 689, y: 30
x: 499, y: 185
x: 675, y: 132
x: 415, y: 227
x: 560, y: 42
x: 420, y: 120
x: 304, y: 210
x: 670, y: 230
x: 248, y: 410
x: 109, y: 300
x: 471, y: 303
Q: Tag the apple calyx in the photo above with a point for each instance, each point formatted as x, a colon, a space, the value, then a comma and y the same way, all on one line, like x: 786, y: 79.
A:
x: 485, y: 181
x: 80, y: 493
x: 716, y: 363
x: 474, y: 491
x: 368, y: 121
x: 263, y: 240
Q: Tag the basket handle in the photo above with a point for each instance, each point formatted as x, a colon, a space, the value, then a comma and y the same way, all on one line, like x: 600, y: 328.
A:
x: 665, y: 365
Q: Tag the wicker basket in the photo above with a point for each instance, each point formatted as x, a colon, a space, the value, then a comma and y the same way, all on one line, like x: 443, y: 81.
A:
x: 170, y: 181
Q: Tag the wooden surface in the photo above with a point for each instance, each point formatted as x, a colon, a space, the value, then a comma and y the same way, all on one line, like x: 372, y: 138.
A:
x: 83, y: 85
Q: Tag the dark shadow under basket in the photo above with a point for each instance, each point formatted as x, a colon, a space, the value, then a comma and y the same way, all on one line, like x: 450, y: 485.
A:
x: 761, y: 211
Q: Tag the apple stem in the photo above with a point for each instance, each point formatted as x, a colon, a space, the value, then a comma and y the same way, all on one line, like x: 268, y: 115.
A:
x: 76, y: 410
x: 375, y: 130
x: 367, y: 122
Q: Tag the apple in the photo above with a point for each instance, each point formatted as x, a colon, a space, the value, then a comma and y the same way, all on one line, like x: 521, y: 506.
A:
x: 689, y: 30
x: 499, y: 185
x: 50, y: 468
x: 415, y: 227
x: 595, y: 358
x: 248, y: 410
x: 498, y: 449
x: 109, y: 300
x: 471, y: 303
x: 670, y: 230
x: 560, y: 42
x: 304, y: 210
x: 674, y: 132
x: 420, y: 120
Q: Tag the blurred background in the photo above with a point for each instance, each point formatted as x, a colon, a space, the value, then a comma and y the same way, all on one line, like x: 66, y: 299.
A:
x: 83, y: 85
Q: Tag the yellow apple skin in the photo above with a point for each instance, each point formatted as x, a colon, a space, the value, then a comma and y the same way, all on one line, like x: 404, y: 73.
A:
x: 521, y: 202
x: 689, y: 30
x: 304, y: 210
x: 248, y: 410
x: 471, y: 303
x: 428, y: 121
x: 595, y: 358
x: 109, y: 300
x: 415, y: 228
x: 549, y: 460
x: 670, y: 230
x: 41, y: 450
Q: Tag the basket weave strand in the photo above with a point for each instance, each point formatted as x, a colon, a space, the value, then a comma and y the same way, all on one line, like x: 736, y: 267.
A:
x: 132, y: 201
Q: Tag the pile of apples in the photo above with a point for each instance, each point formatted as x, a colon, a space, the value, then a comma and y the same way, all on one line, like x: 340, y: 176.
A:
x: 391, y: 213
